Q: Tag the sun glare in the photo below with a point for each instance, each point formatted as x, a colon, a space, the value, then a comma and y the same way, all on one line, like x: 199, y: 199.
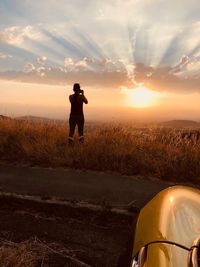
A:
x: 140, y: 97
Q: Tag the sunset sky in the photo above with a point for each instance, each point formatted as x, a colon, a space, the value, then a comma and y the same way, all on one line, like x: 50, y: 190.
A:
x: 135, y: 59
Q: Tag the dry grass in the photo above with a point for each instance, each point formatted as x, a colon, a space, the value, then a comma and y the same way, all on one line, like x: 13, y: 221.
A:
x: 161, y: 153
x: 35, y: 253
x: 12, y: 255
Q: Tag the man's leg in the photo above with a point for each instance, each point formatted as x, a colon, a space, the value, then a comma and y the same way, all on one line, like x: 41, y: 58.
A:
x: 72, y: 125
x: 80, y: 130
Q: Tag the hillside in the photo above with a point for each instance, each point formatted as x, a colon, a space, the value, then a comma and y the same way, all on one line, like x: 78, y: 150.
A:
x: 2, y: 117
x: 180, y: 124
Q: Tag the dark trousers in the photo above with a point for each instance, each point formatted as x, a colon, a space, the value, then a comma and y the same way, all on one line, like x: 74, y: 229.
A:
x: 73, y: 121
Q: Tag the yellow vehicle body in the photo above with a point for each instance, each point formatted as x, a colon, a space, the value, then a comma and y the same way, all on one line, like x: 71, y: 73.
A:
x: 172, y: 216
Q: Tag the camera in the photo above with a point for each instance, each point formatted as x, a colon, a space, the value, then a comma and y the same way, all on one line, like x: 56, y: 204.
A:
x: 81, y: 91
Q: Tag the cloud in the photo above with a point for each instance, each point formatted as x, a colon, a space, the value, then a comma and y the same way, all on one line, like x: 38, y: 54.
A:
x: 112, y: 73
x: 184, y: 61
x: 183, y: 78
x: 41, y: 60
x: 86, y: 71
x: 40, y: 70
x: 17, y: 35
x: 69, y: 63
x: 29, y: 67
x: 95, y: 65
x: 160, y: 79
x: 5, y: 56
x: 189, y: 68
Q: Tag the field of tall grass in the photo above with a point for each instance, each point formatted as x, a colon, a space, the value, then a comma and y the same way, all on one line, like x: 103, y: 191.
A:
x: 153, y: 152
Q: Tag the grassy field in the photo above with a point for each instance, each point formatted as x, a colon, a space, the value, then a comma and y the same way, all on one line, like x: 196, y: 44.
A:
x: 157, y: 152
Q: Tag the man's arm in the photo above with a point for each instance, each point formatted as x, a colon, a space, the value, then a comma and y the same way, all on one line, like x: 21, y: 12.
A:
x: 84, y: 99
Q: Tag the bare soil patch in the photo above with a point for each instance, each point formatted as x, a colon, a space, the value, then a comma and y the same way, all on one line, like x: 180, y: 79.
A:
x: 58, y: 235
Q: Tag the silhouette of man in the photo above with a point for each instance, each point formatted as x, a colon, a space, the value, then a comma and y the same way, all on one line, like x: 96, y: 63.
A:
x: 76, y: 114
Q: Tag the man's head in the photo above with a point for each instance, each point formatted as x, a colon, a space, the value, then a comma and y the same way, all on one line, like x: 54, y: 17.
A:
x: 76, y: 88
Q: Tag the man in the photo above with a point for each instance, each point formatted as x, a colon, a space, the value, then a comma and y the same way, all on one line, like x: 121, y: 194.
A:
x: 76, y: 114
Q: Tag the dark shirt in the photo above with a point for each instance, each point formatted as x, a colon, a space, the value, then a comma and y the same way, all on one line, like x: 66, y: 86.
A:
x: 77, y: 101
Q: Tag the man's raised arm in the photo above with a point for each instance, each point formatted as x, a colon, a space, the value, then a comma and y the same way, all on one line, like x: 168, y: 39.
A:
x: 84, y: 99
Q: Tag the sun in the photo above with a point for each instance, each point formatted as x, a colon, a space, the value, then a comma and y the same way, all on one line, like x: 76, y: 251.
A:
x: 140, y: 97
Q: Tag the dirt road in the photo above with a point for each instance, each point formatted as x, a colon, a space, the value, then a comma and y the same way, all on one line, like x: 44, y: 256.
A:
x: 88, y: 186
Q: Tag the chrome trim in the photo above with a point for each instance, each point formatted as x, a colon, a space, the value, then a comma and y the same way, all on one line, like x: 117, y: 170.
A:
x: 193, y: 256
x: 142, y: 257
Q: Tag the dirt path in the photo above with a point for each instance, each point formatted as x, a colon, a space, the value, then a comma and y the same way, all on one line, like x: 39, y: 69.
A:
x: 88, y: 186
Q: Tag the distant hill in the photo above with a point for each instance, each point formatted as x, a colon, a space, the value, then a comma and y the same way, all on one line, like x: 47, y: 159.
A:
x: 38, y: 119
x: 180, y: 124
x: 2, y: 117
x: 33, y: 118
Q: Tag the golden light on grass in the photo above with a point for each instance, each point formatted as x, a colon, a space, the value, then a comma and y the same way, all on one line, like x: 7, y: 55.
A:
x: 123, y: 149
x: 140, y: 97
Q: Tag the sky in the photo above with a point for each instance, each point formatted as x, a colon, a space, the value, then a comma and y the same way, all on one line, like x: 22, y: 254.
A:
x: 111, y: 48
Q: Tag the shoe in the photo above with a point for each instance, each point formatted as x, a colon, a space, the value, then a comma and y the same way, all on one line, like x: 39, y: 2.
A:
x: 70, y: 141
